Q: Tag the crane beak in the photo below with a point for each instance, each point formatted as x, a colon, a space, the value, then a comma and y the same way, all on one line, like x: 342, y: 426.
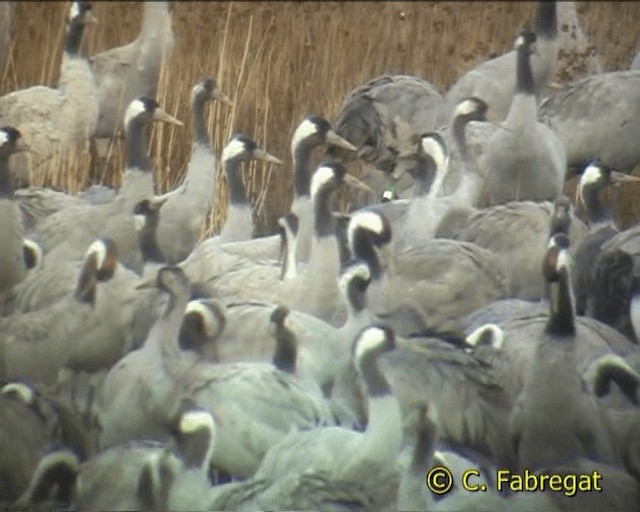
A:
x: 220, y: 96
x: 148, y: 284
x: 261, y: 154
x: 161, y: 115
x: 620, y: 177
x: 334, y: 139
x: 354, y: 182
x: 156, y: 202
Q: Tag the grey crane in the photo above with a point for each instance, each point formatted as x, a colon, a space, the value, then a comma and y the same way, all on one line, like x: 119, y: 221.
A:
x: 614, y: 281
x: 525, y: 158
x: 88, y: 329
x: 367, y: 116
x: 595, y: 178
x: 250, y: 280
x: 553, y: 386
x: 239, y: 222
x: 140, y: 474
x: 13, y: 267
x: 316, y: 291
x: 56, y: 119
x: 65, y: 234
x: 411, y: 492
x: 52, y: 482
x: 337, y: 462
x: 518, y: 231
x: 127, y: 72
x: 53, y: 281
x: 129, y: 406
x: 595, y: 118
x: 312, y: 132
x: 189, y: 204
x: 494, y: 81
x: 141, y: 388
x: 467, y: 136
x: 31, y: 422
x: 445, y: 279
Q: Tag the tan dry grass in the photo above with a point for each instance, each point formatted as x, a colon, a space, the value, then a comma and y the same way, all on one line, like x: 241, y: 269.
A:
x: 282, y: 60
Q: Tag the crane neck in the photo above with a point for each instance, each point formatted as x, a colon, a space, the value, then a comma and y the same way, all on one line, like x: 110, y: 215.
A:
x: 524, y: 74
x: 285, y: 355
x: 6, y: 186
x: 237, y: 192
x: 148, y: 240
x: 324, y: 223
x: 364, y: 249
x: 73, y: 39
x: 597, y: 212
x: 137, y: 152
x: 302, y: 169
x: 458, y: 128
x: 425, y: 183
x: 200, y: 133
x: 561, y: 307
x: 289, y: 248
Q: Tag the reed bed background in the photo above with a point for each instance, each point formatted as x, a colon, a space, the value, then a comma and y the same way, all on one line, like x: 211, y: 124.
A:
x: 280, y: 61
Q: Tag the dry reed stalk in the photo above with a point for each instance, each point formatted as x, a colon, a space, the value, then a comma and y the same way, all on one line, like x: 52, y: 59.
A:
x: 280, y: 61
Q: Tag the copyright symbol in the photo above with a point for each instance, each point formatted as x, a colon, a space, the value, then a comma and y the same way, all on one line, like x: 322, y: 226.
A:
x: 439, y: 480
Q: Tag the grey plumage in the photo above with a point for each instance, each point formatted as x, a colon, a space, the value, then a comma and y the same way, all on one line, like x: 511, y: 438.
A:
x: 579, y: 427
x: 55, y: 120
x: 239, y: 222
x: 12, y: 264
x: 445, y: 279
x: 88, y: 328
x: 366, y: 117
x: 525, y: 159
x: 128, y: 72
x: 187, y: 206
x: 518, y: 231
x: 494, y: 81
x: 594, y: 180
x: 596, y: 117
x: 66, y: 233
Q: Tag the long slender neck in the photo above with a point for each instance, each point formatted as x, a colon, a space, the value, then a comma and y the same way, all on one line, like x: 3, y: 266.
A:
x: 237, y: 193
x: 166, y: 330
x: 194, y: 448
x: 383, y: 434
x: 73, y: 39
x: 285, y: 354
x: 524, y: 75
x: 6, y: 187
x: 290, y: 263
x: 137, y: 157
x: 424, y: 186
x: 546, y: 20
x: 597, y: 213
x: 301, y: 170
x: 357, y: 297
x: 458, y: 127
x: 324, y: 223
x: 200, y: 134
x: 363, y: 249
x: 561, y: 315
x: 151, y: 252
